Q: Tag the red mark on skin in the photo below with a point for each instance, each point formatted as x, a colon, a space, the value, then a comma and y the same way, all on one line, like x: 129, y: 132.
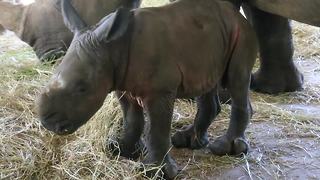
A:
x: 233, y: 41
x: 233, y: 44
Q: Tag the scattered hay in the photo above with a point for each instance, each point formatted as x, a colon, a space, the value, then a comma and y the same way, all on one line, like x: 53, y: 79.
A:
x: 153, y: 3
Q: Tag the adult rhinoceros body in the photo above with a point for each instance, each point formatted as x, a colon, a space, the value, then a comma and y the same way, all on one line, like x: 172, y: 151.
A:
x: 41, y: 25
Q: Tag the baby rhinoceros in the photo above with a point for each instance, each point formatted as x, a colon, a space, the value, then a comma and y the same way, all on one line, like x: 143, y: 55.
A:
x: 151, y: 56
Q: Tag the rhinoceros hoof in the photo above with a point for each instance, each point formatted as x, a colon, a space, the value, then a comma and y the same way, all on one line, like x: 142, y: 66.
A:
x: 187, y: 138
x: 277, y: 82
x: 127, y: 151
x: 224, y: 146
x: 169, y: 168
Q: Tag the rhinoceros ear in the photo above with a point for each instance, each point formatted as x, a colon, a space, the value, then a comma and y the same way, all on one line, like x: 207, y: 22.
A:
x: 70, y: 16
x: 113, y: 26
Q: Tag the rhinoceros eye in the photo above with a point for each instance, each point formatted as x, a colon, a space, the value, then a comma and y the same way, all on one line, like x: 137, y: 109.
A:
x: 81, y: 88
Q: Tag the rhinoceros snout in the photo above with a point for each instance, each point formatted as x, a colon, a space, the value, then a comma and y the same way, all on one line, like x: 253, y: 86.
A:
x: 57, y: 124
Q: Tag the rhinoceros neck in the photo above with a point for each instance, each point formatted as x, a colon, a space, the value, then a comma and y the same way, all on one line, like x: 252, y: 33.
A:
x: 120, y: 56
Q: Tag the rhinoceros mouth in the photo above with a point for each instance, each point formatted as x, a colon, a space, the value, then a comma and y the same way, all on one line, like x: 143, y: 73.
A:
x: 65, y: 130
x: 60, y: 128
x: 58, y: 125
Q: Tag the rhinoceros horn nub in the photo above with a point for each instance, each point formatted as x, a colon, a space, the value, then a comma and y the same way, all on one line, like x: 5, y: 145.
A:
x: 71, y: 18
x: 11, y: 16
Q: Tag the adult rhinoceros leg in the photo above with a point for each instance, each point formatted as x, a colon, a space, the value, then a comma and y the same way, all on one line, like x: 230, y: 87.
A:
x: 277, y: 72
x: 195, y: 136
x: 130, y: 143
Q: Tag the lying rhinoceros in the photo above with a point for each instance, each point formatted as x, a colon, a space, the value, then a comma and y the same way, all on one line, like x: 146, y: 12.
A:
x: 152, y: 56
x: 41, y: 26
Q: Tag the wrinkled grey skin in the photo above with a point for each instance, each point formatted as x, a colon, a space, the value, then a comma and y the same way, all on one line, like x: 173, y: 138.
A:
x: 150, y: 57
x: 41, y: 26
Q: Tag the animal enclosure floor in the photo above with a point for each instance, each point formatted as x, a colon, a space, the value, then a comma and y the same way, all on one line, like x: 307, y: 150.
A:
x: 284, y: 133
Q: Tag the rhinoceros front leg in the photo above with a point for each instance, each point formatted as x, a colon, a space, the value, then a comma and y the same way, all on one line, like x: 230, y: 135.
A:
x: 130, y: 144
x: 277, y: 72
x: 195, y: 136
x: 159, y: 110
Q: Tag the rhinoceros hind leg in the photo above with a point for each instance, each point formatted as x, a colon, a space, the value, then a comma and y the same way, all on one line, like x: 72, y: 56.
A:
x: 195, y: 136
x: 277, y: 71
x: 234, y: 142
x: 223, y: 146
x: 130, y: 144
x: 237, y: 80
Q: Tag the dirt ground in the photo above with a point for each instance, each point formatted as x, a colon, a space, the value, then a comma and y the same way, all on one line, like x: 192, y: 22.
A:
x: 284, y: 133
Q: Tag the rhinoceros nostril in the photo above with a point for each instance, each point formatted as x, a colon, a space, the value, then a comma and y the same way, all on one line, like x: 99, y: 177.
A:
x: 62, y: 128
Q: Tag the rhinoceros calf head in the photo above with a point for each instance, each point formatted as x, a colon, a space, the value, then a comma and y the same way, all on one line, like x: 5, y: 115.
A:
x: 86, y: 74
